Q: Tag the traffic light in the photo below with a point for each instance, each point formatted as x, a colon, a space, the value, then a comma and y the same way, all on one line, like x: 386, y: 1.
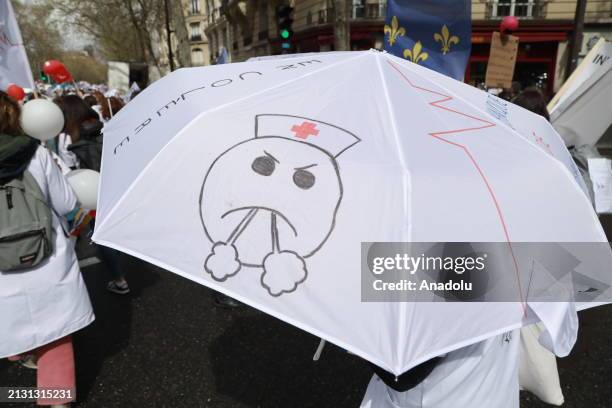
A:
x: 285, y: 21
x: 43, y: 77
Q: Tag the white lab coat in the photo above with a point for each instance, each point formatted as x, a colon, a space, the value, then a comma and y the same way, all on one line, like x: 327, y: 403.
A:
x: 63, y: 142
x: 478, y: 376
x: 51, y: 301
x: 64, y: 168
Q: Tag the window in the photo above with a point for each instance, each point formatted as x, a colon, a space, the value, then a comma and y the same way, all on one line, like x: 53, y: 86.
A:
x: 196, y: 35
x: 197, y: 57
x: 326, y: 15
x: 211, y: 11
x: 519, y: 8
x: 195, y: 6
x: 375, y: 9
x: 358, y: 9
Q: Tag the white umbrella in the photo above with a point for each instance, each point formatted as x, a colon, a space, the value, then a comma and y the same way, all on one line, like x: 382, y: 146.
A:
x: 262, y: 179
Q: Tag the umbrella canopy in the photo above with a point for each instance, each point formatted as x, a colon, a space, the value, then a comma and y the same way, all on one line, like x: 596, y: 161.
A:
x: 262, y: 180
x: 530, y: 126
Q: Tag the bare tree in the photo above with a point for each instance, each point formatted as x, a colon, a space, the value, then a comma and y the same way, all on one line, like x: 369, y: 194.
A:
x: 183, y: 49
x: 42, y: 39
x: 124, y: 30
x: 84, y: 68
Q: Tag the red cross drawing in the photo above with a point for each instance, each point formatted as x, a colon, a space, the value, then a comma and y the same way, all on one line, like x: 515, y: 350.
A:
x: 305, y: 129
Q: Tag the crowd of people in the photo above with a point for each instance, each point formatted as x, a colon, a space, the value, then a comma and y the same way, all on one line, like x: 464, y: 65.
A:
x: 53, y: 290
x: 485, y: 374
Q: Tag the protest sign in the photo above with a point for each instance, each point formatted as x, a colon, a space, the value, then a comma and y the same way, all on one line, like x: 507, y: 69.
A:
x: 502, y: 60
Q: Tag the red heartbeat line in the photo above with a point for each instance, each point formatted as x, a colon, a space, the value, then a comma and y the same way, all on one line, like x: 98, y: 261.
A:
x: 439, y: 135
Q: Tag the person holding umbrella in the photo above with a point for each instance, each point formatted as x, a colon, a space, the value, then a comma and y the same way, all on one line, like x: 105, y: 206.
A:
x: 484, y: 374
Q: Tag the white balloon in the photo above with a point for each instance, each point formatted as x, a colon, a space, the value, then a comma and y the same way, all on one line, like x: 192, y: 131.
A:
x: 85, y: 182
x: 41, y: 119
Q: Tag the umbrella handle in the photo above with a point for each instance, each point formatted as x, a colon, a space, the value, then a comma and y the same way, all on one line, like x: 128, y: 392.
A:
x: 317, y: 353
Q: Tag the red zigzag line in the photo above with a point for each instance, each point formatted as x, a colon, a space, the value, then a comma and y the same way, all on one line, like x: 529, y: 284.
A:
x: 439, y: 136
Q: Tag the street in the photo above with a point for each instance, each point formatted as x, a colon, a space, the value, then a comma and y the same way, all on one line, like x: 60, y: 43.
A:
x: 167, y: 345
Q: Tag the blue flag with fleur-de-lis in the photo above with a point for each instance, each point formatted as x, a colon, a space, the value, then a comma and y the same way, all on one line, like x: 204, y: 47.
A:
x: 433, y: 33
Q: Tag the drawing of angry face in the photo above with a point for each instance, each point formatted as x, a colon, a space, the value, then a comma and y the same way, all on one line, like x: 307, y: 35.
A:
x: 271, y: 202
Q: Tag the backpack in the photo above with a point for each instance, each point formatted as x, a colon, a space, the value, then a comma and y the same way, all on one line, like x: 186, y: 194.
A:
x: 25, y: 224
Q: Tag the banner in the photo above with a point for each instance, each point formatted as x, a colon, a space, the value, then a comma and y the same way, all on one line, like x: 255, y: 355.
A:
x: 433, y: 33
x: 502, y: 59
x: 14, y: 66
x: 581, y: 112
x: 594, y: 65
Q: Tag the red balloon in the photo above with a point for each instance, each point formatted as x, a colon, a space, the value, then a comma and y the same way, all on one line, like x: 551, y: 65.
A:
x: 57, y: 71
x: 15, y: 91
x: 509, y: 23
x: 61, y: 76
x: 52, y: 66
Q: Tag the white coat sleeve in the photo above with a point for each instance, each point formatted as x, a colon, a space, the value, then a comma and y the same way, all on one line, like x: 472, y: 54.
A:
x: 61, y: 196
x: 64, y: 141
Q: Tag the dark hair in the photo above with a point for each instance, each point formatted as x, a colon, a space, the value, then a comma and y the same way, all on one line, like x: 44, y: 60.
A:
x: 115, y: 104
x: 90, y: 100
x: 505, y: 94
x: 533, y: 100
x: 76, y: 111
x: 9, y: 115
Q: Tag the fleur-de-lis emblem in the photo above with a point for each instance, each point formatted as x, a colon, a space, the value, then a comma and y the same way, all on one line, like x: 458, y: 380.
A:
x: 416, y: 54
x: 446, y: 39
x: 394, y: 30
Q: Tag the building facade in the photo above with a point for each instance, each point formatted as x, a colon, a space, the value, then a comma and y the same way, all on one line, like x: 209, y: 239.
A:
x: 314, y: 24
x: 247, y: 28
x: 244, y: 28
x: 546, y: 27
x: 196, y: 19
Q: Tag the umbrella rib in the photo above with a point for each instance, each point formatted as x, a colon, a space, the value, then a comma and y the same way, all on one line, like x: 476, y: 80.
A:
x: 403, y: 307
